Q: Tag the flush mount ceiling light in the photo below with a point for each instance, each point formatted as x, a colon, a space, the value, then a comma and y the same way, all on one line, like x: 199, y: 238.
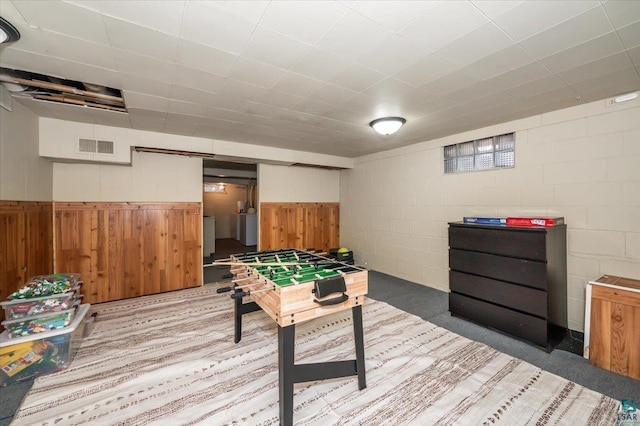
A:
x: 387, y: 125
x: 8, y: 32
x: 626, y: 97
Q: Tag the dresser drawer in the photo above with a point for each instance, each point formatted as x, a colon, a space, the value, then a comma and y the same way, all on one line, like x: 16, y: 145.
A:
x: 521, y: 243
x: 509, y: 295
x: 514, y: 323
x: 520, y: 271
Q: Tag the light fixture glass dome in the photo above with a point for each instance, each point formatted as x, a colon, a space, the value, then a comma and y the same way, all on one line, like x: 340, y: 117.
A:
x: 387, y: 125
x: 8, y: 32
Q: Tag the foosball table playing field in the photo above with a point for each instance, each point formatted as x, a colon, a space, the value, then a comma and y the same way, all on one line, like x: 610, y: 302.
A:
x: 293, y: 286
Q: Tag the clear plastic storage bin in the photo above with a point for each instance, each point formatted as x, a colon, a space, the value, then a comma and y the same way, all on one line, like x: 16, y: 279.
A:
x: 23, y: 358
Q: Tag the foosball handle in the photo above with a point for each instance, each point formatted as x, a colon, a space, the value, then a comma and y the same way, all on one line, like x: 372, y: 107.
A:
x: 224, y: 289
x: 239, y: 295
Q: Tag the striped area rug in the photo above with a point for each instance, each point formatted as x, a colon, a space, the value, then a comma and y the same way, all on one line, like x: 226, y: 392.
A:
x: 169, y: 359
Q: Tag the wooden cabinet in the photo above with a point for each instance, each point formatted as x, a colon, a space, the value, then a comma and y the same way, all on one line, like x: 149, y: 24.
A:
x: 512, y: 279
x: 612, y: 321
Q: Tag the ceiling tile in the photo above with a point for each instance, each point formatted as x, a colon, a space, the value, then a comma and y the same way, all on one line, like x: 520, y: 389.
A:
x: 427, y: 69
x: 141, y: 40
x: 147, y: 117
x: 532, y: 17
x: 444, y: 23
x: 450, y: 83
x: 471, y: 93
x: 476, y: 45
x: 393, y: 55
x: 143, y: 66
x: 589, y: 51
x: 306, y: 21
x: 197, y: 79
x: 186, y: 108
x: 145, y: 101
x: 77, y: 50
x: 312, y: 106
x: 331, y: 94
x: 634, y: 54
x: 140, y: 84
x: 516, y: 77
x: 297, y: 84
x: 495, y: 8
x: 434, y: 105
x: 237, y: 89
x: 90, y: 74
x: 23, y: 60
x: 388, y: 89
x: 352, y: 36
x: 188, y: 94
x: 572, y: 32
x: 416, y: 97
x: 221, y: 114
x: 392, y: 14
x: 280, y: 99
x: 216, y: 28
x: 257, y: 73
x: 622, y: 13
x: 608, y: 85
x: 111, y: 118
x: 66, y: 18
x: 500, y: 62
x: 320, y: 65
x: 594, y: 69
x: 165, y: 16
x: 630, y: 35
x: 357, y: 77
x: 251, y: 9
x: 87, y: 4
x: 69, y: 112
x: 37, y: 107
x: 205, y: 58
x: 532, y: 88
x: 261, y: 48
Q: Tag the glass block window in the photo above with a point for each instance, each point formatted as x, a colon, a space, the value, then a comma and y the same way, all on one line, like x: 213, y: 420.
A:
x: 496, y: 152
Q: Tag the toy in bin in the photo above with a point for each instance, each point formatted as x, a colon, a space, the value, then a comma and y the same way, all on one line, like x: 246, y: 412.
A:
x: 39, y: 323
x: 341, y: 254
x: 23, y: 358
x: 20, y: 308
x: 46, y: 285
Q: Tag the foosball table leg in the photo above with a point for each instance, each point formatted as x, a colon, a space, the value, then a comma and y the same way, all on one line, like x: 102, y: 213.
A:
x: 239, y: 310
x: 359, y: 340
x: 286, y: 367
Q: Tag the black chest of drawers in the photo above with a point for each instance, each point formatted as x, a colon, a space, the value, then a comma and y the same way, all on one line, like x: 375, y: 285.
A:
x: 512, y: 279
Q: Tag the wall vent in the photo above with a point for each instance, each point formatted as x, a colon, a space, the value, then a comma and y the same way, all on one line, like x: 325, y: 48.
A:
x: 96, y: 146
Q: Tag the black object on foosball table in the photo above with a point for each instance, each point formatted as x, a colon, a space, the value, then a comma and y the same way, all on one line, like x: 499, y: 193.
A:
x: 331, y: 293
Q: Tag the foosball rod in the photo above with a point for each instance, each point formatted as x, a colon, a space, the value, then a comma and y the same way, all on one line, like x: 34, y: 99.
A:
x: 242, y: 294
x: 226, y: 289
x: 224, y: 263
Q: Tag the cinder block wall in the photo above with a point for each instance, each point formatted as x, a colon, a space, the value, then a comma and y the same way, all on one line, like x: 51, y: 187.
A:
x: 582, y: 163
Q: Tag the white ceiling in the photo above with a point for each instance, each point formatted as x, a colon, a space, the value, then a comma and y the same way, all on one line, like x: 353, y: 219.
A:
x: 311, y: 75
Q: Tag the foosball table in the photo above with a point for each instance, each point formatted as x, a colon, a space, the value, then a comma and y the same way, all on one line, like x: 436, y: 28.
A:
x: 293, y: 286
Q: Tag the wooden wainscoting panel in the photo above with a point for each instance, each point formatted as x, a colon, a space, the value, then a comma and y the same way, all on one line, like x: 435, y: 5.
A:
x: 26, y: 238
x: 126, y: 250
x: 299, y: 225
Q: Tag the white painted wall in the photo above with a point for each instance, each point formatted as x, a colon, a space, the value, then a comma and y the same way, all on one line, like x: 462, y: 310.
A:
x: 297, y: 184
x: 24, y: 176
x: 223, y: 206
x: 151, y: 177
x: 582, y: 163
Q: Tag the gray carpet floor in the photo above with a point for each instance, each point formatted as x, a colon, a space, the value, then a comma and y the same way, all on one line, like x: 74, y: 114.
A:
x: 432, y: 305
